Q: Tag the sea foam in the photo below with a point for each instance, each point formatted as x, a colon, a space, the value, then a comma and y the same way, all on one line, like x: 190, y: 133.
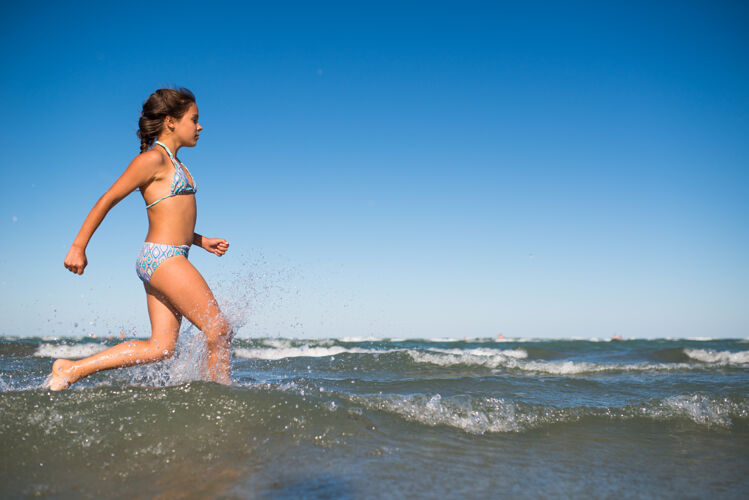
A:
x: 712, y: 356
x: 514, y: 359
x: 68, y: 351
x: 298, y: 352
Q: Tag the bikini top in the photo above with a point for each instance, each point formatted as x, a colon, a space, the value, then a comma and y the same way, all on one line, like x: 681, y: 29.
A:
x: 180, y: 183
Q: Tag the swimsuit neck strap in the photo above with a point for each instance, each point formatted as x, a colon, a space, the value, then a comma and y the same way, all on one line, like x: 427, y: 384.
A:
x: 167, y: 149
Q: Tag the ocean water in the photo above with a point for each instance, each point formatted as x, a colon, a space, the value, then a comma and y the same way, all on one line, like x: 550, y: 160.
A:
x: 383, y: 418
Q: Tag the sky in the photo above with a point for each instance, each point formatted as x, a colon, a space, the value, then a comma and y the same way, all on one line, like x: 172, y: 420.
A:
x: 417, y: 169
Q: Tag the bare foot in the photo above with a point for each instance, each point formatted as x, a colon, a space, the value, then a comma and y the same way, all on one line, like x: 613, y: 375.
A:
x: 62, y: 375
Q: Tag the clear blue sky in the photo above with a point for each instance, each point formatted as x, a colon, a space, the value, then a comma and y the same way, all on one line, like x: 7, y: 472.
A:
x: 432, y: 169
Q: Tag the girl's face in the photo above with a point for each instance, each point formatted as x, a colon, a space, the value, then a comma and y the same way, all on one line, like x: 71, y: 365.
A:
x: 187, y: 129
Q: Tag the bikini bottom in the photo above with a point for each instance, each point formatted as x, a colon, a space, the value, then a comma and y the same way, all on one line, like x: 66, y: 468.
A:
x: 153, y: 254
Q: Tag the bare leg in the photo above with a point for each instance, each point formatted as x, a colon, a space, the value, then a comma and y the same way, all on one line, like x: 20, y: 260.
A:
x: 165, y: 321
x: 185, y: 289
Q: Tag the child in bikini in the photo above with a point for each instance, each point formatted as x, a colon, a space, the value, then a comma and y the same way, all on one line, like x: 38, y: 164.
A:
x: 174, y: 288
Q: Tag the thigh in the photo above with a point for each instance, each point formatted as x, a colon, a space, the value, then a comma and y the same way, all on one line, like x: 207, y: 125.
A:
x: 165, y: 318
x: 186, y: 290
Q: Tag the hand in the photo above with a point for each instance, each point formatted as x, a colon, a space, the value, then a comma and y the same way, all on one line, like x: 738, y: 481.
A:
x: 75, y: 260
x: 219, y: 246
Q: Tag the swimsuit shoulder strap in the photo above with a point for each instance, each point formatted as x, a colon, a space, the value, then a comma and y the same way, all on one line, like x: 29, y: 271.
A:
x: 168, y: 151
x: 175, y: 161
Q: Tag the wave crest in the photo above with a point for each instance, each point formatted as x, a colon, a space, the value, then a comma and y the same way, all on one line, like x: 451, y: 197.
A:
x: 298, y: 352
x: 68, y: 351
x: 477, y: 415
x: 515, y: 360
x: 712, y: 356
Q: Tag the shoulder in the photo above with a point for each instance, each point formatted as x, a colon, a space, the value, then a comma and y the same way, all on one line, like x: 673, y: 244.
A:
x: 144, y: 168
x: 150, y: 161
x: 150, y: 158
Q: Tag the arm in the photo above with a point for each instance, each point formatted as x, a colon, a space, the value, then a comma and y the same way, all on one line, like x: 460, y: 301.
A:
x: 138, y: 173
x: 218, y: 246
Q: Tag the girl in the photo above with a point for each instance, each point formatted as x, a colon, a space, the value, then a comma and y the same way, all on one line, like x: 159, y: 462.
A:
x: 174, y: 288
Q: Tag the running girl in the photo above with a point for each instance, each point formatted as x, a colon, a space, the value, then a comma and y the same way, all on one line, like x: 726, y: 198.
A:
x: 174, y: 288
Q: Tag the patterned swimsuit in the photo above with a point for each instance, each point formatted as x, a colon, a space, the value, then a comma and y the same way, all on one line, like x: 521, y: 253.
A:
x: 153, y: 254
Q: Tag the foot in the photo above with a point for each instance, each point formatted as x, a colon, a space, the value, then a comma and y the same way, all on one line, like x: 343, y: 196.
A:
x: 62, y: 375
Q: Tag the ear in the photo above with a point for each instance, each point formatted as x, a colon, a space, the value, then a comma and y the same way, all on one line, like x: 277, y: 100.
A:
x: 169, y: 123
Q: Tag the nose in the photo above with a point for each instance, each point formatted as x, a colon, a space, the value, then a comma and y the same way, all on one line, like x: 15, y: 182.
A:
x: 199, y: 127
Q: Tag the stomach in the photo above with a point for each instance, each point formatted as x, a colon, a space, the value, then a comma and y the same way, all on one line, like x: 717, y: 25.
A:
x: 172, y: 221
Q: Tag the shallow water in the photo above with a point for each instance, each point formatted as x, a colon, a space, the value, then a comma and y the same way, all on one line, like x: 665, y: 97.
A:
x: 358, y: 418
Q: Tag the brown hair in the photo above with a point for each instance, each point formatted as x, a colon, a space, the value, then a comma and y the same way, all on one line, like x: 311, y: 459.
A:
x: 159, y: 105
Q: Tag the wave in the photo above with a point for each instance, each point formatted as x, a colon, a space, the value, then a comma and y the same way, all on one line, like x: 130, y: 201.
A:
x: 464, y: 412
x: 453, y: 357
x: 479, y: 415
x: 701, y: 409
x: 483, y: 352
x: 513, y: 360
x: 280, y: 350
x: 299, y: 352
x: 712, y: 356
x: 68, y: 351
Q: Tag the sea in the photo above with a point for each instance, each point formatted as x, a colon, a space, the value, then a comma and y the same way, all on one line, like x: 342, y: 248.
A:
x: 383, y: 418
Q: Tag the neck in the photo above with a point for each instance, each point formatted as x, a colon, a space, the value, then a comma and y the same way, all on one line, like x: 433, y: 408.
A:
x: 171, y: 143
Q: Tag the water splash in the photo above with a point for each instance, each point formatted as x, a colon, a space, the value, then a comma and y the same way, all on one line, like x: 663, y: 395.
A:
x: 186, y: 365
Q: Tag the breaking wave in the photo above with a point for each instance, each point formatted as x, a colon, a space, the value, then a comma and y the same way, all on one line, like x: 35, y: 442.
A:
x: 68, y: 351
x: 712, y: 356
x: 489, y: 414
x: 297, y: 352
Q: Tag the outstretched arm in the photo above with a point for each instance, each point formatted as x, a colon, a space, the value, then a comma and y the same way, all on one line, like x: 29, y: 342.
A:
x: 218, y: 246
x: 138, y: 173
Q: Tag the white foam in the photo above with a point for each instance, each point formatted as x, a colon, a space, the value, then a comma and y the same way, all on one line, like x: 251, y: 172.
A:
x: 712, y: 356
x: 277, y: 343
x: 489, y: 358
x: 298, y: 352
x: 485, y: 352
x: 68, y: 351
x: 514, y: 359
